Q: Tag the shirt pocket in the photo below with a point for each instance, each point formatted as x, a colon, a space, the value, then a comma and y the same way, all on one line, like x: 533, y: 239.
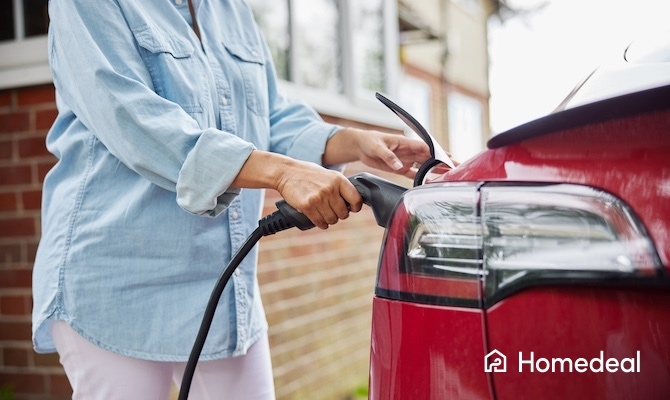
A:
x: 175, y: 72
x: 252, y: 68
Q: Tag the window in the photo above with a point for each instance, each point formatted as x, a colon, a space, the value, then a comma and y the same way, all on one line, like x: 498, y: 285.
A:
x: 317, y: 44
x: 25, y: 18
x: 416, y: 97
x: 272, y: 17
x: 7, y: 24
x: 326, y: 44
x: 23, y: 44
x: 368, y: 46
x: 333, y: 53
x: 466, y: 134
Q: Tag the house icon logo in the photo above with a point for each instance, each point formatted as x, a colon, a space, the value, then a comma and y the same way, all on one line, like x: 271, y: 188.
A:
x: 495, y: 361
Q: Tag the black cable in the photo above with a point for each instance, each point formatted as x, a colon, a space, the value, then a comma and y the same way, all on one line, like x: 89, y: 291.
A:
x: 284, y: 218
x: 206, y: 323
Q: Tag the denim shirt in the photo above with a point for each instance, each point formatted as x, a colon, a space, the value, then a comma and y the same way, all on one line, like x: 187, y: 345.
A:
x: 138, y: 217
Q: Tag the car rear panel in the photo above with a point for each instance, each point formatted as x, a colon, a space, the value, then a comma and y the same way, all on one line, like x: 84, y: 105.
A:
x: 581, y: 322
x: 629, y: 158
x: 424, y: 351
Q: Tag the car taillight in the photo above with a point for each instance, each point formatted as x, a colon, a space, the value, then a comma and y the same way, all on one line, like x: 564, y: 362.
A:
x: 473, y: 244
x: 433, y: 248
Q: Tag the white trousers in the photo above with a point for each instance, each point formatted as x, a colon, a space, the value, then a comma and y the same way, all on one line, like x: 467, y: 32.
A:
x: 95, y: 373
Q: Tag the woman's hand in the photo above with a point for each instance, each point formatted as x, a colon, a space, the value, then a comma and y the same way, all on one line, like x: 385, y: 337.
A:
x: 324, y: 196
x: 384, y: 151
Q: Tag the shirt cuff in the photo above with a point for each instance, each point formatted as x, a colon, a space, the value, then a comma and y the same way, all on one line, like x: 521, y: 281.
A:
x: 203, y: 185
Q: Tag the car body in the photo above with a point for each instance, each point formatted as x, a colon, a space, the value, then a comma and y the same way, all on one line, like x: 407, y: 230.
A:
x: 539, y: 268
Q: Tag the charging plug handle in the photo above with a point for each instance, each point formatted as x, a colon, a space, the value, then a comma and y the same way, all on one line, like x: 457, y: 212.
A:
x: 381, y: 195
x: 378, y: 193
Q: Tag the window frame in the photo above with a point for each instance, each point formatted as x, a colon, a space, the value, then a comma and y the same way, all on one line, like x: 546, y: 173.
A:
x: 24, y: 63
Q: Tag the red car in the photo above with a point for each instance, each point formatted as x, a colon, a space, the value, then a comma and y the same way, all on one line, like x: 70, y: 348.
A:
x: 539, y: 269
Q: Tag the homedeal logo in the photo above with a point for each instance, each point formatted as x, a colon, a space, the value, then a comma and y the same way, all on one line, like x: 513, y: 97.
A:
x: 496, y: 361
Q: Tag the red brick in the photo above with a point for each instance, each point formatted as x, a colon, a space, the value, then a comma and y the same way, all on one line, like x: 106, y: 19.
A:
x: 59, y: 385
x: 15, y: 357
x: 36, y: 95
x: 50, y: 397
x: 45, y: 118
x: 46, y: 360
x: 31, y: 199
x: 15, y: 331
x: 8, y: 202
x: 43, y: 168
x: 16, y: 278
x: 10, y: 253
x: 15, y: 175
x: 14, y: 122
x: 31, y: 250
x: 6, y: 149
x: 15, y: 305
x: 5, y: 98
x: 15, y: 227
x: 21, y: 382
x: 32, y: 147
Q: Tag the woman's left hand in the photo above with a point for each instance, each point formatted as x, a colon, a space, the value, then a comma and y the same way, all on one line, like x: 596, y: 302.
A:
x: 384, y: 151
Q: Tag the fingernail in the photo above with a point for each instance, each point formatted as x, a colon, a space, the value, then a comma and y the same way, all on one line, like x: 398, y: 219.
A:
x: 397, y: 164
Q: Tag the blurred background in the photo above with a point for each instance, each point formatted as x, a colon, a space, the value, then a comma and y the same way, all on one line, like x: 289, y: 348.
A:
x: 466, y: 69
x: 547, y: 47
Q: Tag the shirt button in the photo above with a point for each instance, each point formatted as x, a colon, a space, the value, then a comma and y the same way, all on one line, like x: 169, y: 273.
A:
x: 178, y: 2
x: 234, y: 215
x: 224, y: 101
x: 237, y: 272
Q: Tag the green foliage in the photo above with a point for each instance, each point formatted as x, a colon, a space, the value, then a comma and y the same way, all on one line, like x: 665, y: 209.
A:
x: 7, y: 392
x: 361, y: 391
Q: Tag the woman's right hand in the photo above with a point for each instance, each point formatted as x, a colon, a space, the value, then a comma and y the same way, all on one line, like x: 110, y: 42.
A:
x: 324, y: 196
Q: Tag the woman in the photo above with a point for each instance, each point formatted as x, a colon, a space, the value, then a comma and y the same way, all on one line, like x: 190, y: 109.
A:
x: 167, y: 118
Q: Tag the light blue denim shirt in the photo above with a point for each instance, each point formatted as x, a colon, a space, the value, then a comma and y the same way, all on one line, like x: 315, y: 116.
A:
x: 138, y: 219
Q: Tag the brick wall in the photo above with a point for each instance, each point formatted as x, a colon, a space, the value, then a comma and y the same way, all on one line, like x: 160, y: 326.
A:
x: 25, y: 117
x: 317, y: 285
